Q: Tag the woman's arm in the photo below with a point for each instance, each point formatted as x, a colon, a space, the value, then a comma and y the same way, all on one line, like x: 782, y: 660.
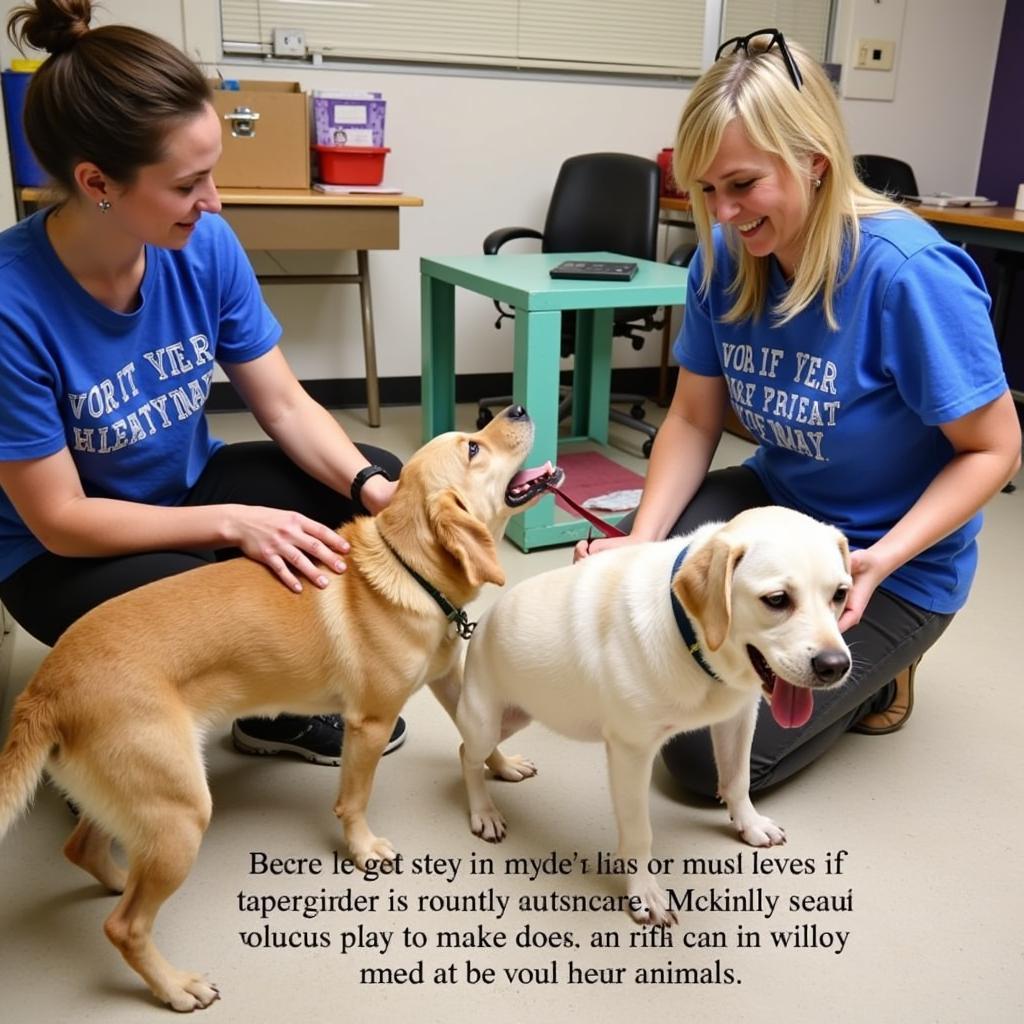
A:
x: 47, y: 493
x: 682, y: 453
x: 305, y: 430
x: 987, y: 444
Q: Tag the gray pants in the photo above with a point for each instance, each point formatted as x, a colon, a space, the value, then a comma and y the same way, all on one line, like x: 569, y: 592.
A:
x: 892, y: 634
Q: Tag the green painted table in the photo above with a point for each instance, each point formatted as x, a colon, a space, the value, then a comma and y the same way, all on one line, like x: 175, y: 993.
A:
x: 521, y: 280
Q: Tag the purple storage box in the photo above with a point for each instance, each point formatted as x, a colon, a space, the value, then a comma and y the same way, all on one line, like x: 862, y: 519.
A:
x: 348, y: 119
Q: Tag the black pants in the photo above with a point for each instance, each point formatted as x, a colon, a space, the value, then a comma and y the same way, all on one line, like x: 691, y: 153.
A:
x: 48, y: 594
x: 891, y: 635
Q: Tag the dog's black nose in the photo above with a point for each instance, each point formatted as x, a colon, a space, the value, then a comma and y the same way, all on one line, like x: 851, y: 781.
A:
x: 517, y: 412
x: 830, y: 666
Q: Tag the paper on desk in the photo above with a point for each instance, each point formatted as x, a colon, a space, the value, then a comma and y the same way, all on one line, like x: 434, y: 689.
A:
x: 356, y: 190
x: 946, y: 199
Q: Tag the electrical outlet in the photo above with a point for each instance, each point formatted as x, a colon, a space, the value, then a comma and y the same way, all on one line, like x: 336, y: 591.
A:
x: 289, y: 42
x: 874, y: 54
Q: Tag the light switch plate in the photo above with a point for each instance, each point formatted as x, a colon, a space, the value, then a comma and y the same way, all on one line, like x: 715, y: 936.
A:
x: 874, y: 54
x: 289, y: 42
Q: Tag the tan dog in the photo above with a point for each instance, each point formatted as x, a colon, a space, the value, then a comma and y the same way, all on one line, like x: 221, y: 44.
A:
x: 118, y: 710
x: 602, y: 651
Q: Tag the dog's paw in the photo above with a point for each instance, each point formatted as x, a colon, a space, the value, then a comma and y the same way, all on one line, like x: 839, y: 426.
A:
x: 513, y: 768
x: 375, y: 850
x: 188, y: 992
x: 648, y: 903
x: 761, y: 831
x: 488, y: 824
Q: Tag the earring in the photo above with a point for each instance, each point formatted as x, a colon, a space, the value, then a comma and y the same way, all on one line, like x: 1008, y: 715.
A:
x: 817, y: 185
x: 104, y: 205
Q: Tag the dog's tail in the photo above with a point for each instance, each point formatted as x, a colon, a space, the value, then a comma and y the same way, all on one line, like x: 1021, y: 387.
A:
x: 33, y: 736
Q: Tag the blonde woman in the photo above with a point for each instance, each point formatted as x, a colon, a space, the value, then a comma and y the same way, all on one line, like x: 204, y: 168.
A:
x: 855, y: 346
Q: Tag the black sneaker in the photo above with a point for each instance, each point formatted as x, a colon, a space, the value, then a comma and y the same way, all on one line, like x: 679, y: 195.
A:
x: 317, y: 739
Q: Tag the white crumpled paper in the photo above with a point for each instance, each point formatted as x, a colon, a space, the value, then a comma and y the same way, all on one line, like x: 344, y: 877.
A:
x: 614, y: 501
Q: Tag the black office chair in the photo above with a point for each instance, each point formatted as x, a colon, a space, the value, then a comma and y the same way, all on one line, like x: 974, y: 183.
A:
x: 602, y: 202
x: 887, y: 174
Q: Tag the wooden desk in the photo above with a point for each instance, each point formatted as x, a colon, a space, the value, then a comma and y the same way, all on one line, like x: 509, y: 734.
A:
x: 303, y: 219
x: 675, y: 210
x: 998, y: 227
x: 522, y: 281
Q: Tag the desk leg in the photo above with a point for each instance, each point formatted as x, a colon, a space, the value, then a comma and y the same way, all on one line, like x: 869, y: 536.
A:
x: 369, y: 343
x: 535, y: 386
x: 592, y: 374
x: 437, y: 337
x: 1006, y: 274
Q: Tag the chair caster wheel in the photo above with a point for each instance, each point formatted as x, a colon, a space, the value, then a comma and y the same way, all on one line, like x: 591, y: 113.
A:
x: 648, y: 447
x: 637, y: 412
x: 484, y: 418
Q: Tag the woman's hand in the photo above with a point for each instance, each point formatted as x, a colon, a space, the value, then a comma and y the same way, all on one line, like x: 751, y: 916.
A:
x: 868, y: 571
x: 288, y: 543
x: 596, y: 545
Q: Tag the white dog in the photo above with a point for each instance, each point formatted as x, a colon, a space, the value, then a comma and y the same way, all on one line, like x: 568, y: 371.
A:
x: 638, y: 643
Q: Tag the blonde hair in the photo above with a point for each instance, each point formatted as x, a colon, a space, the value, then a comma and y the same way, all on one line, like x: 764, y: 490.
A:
x: 793, y: 125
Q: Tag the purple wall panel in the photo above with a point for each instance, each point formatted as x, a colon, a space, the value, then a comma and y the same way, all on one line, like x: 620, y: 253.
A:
x: 1002, y: 167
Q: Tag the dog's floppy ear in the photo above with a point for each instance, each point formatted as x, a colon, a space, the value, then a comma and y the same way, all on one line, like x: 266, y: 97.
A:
x: 844, y: 550
x: 465, y: 538
x: 704, y: 587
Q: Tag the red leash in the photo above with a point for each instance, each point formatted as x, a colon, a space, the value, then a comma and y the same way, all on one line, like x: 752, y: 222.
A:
x: 606, y: 528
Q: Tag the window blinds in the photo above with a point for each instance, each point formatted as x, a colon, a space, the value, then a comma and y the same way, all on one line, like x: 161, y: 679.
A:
x: 804, y: 21
x: 660, y: 37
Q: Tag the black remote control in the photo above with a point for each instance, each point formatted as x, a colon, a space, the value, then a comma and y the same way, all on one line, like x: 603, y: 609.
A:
x: 594, y: 270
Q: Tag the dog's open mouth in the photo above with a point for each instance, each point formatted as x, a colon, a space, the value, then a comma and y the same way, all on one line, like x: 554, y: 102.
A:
x: 528, y: 483
x: 791, y: 705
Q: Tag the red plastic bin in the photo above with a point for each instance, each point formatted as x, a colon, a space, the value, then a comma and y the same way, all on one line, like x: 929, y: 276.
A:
x: 668, y: 179
x: 350, y: 165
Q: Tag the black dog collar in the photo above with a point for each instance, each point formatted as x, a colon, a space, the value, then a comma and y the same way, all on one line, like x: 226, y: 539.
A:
x: 458, y: 616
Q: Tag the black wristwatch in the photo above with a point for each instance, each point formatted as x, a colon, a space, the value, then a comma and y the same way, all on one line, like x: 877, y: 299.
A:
x: 359, y: 480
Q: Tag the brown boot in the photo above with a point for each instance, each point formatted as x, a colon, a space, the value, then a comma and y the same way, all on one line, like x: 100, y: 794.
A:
x: 878, y: 723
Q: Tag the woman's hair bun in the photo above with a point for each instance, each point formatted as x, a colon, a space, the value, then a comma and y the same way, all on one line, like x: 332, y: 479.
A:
x: 50, y: 25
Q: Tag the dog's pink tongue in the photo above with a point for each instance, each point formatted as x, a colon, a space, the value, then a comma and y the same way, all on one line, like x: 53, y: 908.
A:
x: 526, y: 475
x: 791, y: 705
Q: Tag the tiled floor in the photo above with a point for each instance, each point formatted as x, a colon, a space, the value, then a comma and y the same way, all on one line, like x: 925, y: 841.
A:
x: 929, y: 819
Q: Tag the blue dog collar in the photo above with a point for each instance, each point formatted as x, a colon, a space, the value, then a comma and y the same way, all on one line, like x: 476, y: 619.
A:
x: 683, y: 622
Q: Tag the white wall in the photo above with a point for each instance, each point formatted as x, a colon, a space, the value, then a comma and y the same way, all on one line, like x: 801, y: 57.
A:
x: 936, y: 119
x: 483, y: 153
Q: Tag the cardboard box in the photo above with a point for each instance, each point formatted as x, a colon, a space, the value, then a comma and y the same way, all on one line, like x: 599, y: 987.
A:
x: 348, y: 119
x: 271, y: 151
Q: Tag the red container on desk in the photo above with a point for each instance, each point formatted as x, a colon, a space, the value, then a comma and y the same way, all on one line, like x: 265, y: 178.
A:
x: 350, y: 165
x: 668, y: 180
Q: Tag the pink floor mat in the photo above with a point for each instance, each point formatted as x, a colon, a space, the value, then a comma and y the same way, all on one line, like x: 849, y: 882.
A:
x: 589, y: 474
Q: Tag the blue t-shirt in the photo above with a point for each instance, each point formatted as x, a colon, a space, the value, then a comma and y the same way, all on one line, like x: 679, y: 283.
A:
x: 123, y: 392
x: 848, y: 420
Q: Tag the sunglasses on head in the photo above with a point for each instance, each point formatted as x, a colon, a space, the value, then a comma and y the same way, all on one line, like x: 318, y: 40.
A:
x: 765, y: 39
